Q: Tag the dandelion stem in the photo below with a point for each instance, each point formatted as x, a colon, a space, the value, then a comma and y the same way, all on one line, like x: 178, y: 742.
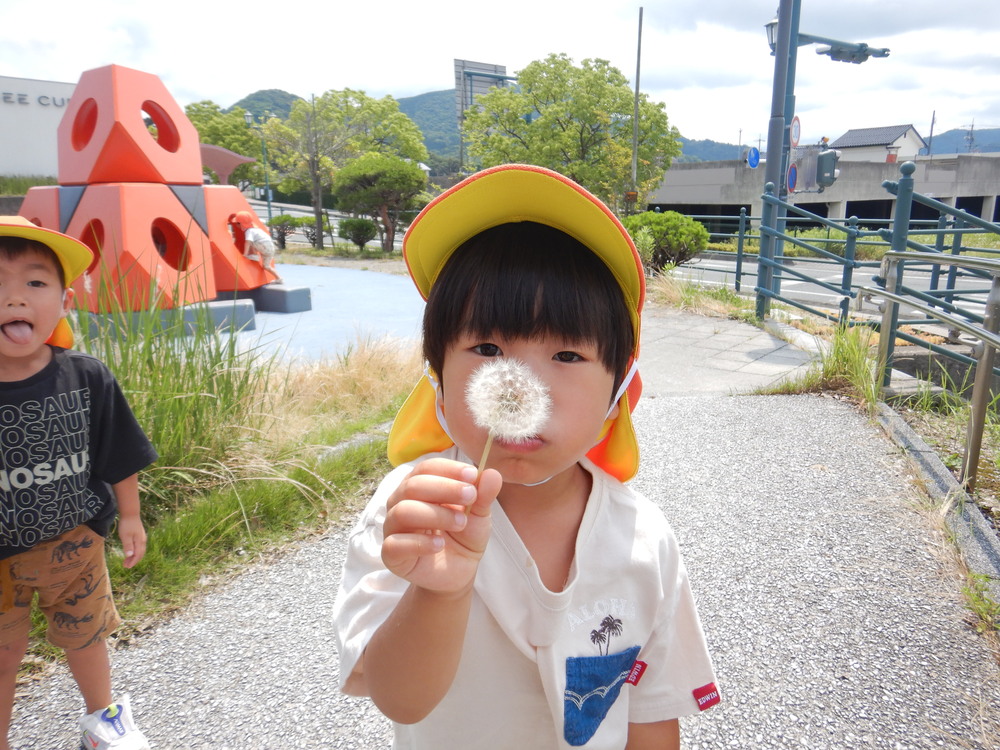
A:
x: 486, y: 453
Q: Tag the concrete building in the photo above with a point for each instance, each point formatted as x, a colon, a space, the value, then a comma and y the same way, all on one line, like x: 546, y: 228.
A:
x: 30, y: 112
x: 970, y: 182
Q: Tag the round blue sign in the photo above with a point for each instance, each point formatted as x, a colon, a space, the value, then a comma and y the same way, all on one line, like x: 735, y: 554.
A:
x: 793, y: 177
x: 753, y: 157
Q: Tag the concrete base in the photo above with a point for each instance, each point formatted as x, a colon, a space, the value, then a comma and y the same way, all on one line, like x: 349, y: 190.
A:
x: 235, y: 314
x: 278, y: 298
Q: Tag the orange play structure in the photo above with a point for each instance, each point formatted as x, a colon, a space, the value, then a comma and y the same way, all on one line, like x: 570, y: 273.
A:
x: 134, y: 194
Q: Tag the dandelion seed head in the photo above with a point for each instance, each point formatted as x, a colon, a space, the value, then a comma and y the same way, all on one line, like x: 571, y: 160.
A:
x: 507, y: 398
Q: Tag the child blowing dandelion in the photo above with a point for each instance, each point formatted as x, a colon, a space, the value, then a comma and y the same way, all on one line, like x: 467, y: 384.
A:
x: 471, y: 601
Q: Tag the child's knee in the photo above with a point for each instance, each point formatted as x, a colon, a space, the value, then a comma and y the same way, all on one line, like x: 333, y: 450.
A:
x: 12, y: 654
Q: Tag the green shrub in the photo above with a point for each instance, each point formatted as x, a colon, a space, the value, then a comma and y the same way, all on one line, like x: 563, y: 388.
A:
x: 676, y: 238
x: 308, y: 226
x: 282, y: 226
x: 359, y: 231
x: 20, y: 184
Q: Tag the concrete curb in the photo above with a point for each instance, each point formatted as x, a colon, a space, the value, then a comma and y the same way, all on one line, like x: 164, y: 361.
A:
x: 975, y: 537
x: 977, y: 541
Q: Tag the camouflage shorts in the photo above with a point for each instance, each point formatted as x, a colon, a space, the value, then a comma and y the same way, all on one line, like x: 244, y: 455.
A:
x: 70, y: 576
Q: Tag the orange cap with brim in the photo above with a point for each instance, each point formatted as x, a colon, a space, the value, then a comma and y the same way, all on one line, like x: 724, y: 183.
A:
x: 501, y: 195
x: 73, y: 255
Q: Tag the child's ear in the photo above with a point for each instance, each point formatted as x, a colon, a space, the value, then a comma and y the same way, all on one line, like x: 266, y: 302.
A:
x: 68, y: 296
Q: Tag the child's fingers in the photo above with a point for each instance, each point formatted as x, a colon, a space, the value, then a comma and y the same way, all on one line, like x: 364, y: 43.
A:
x: 438, y: 481
x: 399, y: 550
x: 487, y: 490
x: 413, y: 515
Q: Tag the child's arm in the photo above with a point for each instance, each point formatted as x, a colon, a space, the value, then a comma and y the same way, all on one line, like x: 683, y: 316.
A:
x: 130, y: 528
x: 436, y: 528
x: 660, y: 735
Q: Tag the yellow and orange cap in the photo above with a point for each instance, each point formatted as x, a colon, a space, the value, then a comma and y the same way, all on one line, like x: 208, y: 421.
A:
x: 501, y: 195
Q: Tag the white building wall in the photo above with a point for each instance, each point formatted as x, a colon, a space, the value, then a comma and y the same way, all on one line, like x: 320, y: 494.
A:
x: 30, y: 112
x: 905, y: 148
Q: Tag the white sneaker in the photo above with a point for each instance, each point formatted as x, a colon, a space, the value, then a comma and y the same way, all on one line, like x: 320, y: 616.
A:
x: 112, y: 729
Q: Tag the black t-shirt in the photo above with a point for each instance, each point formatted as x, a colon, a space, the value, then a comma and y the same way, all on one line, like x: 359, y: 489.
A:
x: 66, y: 435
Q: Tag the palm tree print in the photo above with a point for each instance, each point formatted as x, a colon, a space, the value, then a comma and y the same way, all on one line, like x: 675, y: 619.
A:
x: 609, y: 626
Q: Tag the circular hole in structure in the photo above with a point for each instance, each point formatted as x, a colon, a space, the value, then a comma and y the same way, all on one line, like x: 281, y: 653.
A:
x: 84, y: 125
x: 171, y: 244
x: 93, y: 237
x: 163, y: 130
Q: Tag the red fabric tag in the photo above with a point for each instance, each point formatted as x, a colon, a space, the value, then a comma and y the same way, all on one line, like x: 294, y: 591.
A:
x: 635, y: 674
x: 707, y: 696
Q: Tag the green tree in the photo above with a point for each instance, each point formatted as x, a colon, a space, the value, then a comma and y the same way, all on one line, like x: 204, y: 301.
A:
x: 324, y: 133
x: 675, y: 238
x: 577, y: 120
x: 381, y: 186
x: 228, y: 130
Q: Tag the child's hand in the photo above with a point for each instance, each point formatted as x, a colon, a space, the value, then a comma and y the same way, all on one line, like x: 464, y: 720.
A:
x: 438, y: 523
x: 133, y: 536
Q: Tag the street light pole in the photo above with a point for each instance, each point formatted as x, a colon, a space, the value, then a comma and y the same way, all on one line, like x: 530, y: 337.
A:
x: 784, y: 38
x: 776, y: 132
x: 248, y: 117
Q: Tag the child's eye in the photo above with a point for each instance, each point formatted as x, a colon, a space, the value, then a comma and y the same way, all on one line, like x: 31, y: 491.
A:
x: 487, y: 350
x: 568, y: 357
x: 38, y: 283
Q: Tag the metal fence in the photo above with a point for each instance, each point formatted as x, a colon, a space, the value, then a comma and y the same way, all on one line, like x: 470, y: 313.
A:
x: 963, y: 293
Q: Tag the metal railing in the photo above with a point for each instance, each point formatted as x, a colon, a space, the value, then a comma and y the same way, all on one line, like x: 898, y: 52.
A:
x: 941, y: 306
x: 985, y: 333
x: 972, y: 308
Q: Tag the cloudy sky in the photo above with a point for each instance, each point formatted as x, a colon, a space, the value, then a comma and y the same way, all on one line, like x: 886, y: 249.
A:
x: 706, y: 60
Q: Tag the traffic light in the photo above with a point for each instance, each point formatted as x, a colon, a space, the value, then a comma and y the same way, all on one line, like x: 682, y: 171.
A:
x: 826, y: 167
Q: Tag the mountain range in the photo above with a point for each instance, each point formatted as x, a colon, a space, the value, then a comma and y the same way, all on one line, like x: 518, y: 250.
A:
x: 434, y: 113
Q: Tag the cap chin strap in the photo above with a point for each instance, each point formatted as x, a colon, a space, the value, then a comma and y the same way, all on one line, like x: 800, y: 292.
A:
x: 437, y: 401
x: 626, y: 381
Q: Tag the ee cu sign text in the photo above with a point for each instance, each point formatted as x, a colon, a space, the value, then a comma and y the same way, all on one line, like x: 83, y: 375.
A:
x: 10, y: 97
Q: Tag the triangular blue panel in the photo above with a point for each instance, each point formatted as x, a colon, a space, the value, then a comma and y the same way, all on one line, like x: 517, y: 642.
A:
x: 192, y: 197
x: 69, y: 199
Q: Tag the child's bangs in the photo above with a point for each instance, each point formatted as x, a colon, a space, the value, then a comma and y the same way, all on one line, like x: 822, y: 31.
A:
x: 529, y: 303
x: 528, y: 280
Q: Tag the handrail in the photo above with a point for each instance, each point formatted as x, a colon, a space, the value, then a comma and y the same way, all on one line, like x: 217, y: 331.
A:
x: 893, y: 264
x: 984, y: 365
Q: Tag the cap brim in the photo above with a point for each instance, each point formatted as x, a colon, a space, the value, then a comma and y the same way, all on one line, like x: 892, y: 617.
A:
x: 74, y: 256
x: 522, y: 192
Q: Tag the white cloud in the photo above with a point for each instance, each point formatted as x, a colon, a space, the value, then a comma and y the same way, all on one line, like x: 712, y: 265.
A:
x: 707, y: 60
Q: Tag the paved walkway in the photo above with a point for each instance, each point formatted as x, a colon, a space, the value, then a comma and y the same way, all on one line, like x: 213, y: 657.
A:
x: 830, y: 600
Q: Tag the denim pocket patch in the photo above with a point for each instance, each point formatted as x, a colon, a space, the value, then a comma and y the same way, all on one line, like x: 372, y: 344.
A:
x: 592, y: 686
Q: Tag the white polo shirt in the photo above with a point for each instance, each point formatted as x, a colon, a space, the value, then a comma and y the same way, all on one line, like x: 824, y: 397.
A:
x: 541, y: 669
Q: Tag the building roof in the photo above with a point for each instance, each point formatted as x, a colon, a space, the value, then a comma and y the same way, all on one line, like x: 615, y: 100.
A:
x: 884, y: 136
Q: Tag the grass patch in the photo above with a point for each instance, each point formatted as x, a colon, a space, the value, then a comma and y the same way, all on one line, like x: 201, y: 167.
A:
x: 846, y: 366
x: 714, y: 301
x: 241, y: 522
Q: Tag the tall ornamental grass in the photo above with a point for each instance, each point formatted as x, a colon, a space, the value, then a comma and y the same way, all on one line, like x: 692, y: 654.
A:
x: 199, y: 398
